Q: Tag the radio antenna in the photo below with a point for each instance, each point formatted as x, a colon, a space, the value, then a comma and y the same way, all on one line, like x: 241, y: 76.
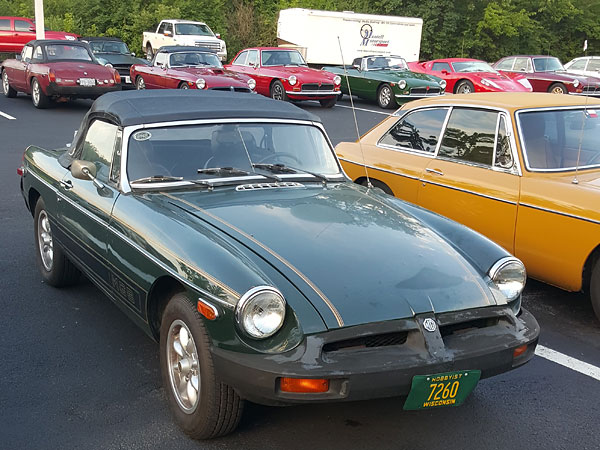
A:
x: 369, y: 185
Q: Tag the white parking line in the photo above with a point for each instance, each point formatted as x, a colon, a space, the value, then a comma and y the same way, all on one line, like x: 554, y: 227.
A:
x: 568, y: 361
x: 363, y: 109
x: 8, y: 116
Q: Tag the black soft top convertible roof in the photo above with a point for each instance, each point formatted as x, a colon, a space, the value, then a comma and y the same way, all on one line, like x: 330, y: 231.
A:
x: 127, y: 108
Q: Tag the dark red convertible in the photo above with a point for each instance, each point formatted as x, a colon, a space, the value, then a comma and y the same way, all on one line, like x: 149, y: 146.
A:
x: 180, y: 67
x: 283, y: 74
x: 547, y: 74
x: 57, y: 70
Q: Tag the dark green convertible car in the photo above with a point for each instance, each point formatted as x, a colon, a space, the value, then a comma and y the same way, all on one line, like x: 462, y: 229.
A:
x: 386, y: 79
x: 222, y: 224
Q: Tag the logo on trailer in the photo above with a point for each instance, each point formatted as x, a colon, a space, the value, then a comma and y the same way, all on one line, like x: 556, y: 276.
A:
x: 366, y: 31
x: 429, y: 325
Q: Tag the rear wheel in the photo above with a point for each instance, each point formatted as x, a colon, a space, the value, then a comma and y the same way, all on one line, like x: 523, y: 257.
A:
x: 203, y: 406
x: 139, y: 83
x: 278, y: 91
x: 328, y: 103
x: 55, y: 267
x: 595, y: 289
x: 6, y: 88
x: 149, y: 52
x: 39, y: 99
x: 385, y: 96
x: 558, y: 88
x: 465, y: 87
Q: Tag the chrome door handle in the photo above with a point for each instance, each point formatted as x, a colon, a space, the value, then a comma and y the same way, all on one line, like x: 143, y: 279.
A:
x: 436, y: 171
x: 68, y: 184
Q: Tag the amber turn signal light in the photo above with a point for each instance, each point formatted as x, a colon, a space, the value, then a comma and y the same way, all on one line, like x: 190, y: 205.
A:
x: 519, y: 351
x: 208, y: 311
x: 304, y: 385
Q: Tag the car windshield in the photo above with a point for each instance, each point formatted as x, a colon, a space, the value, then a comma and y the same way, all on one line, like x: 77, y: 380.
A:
x: 187, y: 59
x: 472, y: 66
x: 194, y: 29
x: 282, y: 58
x: 109, y: 47
x: 57, y: 52
x: 386, y: 62
x: 561, y: 139
x: 547, y: 64
x: 176, y: 153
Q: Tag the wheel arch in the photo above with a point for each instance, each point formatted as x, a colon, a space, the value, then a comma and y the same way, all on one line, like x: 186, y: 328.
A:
x: 588, y: 267
x: 376, y: 183
x: 159, y: 295
x: 32, y: 198
x: 457, y: 83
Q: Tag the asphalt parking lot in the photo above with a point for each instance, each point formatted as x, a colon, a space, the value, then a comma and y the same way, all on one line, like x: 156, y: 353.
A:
x: 76, y: 373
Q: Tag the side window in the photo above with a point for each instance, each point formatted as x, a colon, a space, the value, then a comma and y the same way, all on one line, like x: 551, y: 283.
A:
x: 161, y: 28
x: 521, y: 65
x: 252, y: 58
x: 506, y: 64
x: 470, y: 136
x: 27, y: 53
x: 22, y: 25
x: 241, y: 59
x: 578, y: 65
x: 98, y: 147
x: 4, y: 24
x: 419, y: 130
x: 161, y: 59
x: 594, y: 64
x: 37, y: 54
x: 169, y: 27
x: 439, y: 66
x: 503, y: 157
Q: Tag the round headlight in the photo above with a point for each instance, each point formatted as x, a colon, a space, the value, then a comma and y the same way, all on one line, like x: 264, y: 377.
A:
x: 402, y: 84
x: 575, y: 83
x: 109, y: 65
x: 337, y: 79
x: 509, y: 276
x: 443, y: 84
x: 260, y: 312
x: 251, y: 83
x: 292, y: 80
x: 200, y: 83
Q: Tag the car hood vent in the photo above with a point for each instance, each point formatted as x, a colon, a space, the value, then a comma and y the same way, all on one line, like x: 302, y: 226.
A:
x: 255, y: 186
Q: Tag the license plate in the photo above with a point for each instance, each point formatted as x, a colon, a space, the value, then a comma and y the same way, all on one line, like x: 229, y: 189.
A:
x: 87, y: 82
x: 127, y: 79
x: 441, y: 389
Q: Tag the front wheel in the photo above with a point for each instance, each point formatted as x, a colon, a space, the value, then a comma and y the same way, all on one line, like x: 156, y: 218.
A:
x: 278, y: 91
x: 328, y: 103
x: 385, y: 97
x: 39, y: 99
x: 203, y: 406
x: 465, y: 87
x: 55, y: 267
x: 595, y: 289
x: 140, y: 84
x: 6, y: 88
x: 558, y: 88
x: 184, y: 85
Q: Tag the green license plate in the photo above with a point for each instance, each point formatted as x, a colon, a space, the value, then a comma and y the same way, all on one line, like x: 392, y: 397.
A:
x: 441, y: 389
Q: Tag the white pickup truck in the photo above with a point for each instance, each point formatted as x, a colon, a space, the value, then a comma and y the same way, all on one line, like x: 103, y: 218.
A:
x: 183, y: 32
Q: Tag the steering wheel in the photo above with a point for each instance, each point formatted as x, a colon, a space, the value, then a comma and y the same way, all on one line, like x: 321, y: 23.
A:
x: 274, y: 157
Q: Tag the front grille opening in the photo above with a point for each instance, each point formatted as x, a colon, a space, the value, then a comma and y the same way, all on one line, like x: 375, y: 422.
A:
x: 464, y: 327
x: 377, y: 340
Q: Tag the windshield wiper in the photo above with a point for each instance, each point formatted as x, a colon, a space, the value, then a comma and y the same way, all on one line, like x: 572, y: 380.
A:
x: 232, y: 171
x: 282, y: 168
x: 157, y: 179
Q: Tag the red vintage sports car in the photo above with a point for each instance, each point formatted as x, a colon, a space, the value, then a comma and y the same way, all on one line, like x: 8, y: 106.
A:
x: 15, y: 32
x: 465, y: 75
x: 180, y: 67
x: 283, y: 74
x: 547, y: 74
x: 57, y: 70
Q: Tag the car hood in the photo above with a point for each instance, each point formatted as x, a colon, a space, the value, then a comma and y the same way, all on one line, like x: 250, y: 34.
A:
x: 212, y: 76
x: 80, y: 69
x: 304, y: 74
x: 505, y: 83
x: 407, y: 74
x: 359, y: 257
x: 119, y: 59
x: 569, y: 77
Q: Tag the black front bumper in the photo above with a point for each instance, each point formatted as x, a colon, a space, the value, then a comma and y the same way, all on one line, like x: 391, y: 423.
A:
x: 55, y: 90
x: 386, y: 371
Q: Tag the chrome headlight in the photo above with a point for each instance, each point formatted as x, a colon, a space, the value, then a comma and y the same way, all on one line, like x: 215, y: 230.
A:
x: 200, y: 83
x: 575, y: 83
x: 509, y: 276
x: 292, y: 80
x: 109, y: 65
x: 402, y: 84
x: 251, y: 83
x: 337, y: 79
x: 260, y: 312
x: 443, y: 84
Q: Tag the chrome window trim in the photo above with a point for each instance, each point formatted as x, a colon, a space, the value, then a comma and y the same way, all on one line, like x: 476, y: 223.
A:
x: 522, y: 143
x: 126, y: 187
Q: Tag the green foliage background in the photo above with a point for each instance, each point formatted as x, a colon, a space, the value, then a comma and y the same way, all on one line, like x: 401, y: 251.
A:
x: 472, y: 28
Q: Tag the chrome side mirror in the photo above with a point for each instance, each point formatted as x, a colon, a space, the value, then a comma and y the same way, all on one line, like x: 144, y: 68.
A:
x: 85, y: 170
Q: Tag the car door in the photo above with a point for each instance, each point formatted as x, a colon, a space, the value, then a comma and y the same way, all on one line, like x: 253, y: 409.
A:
x: 85, y: 206
x: 23, y: 33
x: 355, y: 77
x: 17, y: 74
x: 154, y: 78
x: 6, y: 36
x: 253, y: 69
x: 474, y: 178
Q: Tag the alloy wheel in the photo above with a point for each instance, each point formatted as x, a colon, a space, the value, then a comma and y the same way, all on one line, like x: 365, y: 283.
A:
x: 5, y: 85
x: 35, y: 92
x: 45, y: 241
x: 385, y: 96
x: 183, y: 366
x: 277, y: 92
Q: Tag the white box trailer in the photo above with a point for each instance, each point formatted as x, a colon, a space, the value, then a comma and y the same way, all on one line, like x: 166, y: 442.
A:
x: 315, y: 33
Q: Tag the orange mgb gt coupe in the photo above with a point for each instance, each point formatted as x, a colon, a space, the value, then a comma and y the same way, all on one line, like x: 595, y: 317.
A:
x: 522, y: 169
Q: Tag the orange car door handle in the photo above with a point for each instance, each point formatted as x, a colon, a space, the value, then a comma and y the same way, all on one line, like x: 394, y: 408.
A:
x: 436, y: 171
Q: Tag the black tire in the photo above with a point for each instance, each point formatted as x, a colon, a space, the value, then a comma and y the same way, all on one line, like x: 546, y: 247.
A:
x: 464, y: 87
x: 149, y: 52
x: 39, y: 99
x: 218, y: 409
x: 379, y: 185
x: 184, y: 85
x: 278, y: 91
x: 6, y: 87
x: 60, y: 271
x: 328, y: 103
x: 558, y: 88
x: 595, y: 288
x: 140, y: 84
x: 385, y: 97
